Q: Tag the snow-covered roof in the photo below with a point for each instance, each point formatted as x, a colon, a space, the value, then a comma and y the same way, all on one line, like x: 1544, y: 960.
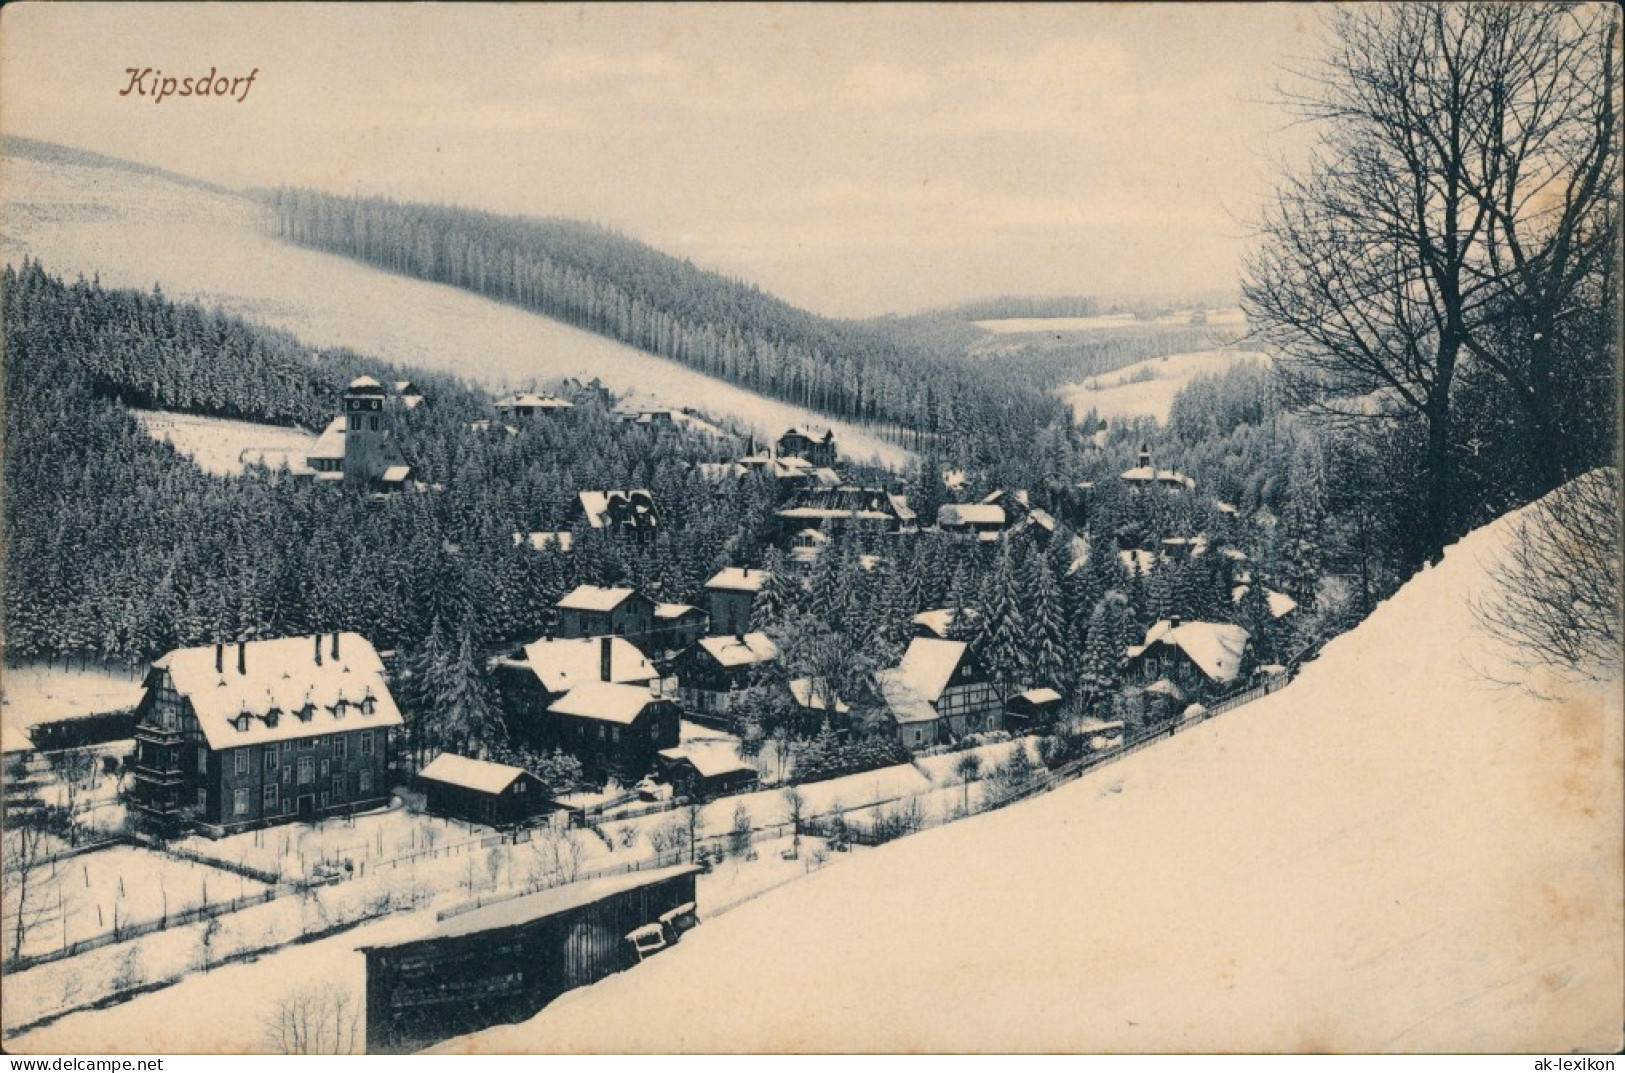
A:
x: 927, y: 666
x: 522, y: 910
x: 283, y: 675
x: 530, y: 401
x: 675, y: 611
x: 1280, y: 604
x: 1215, y: 647
x: 970, y: 514
x: 720, y: 471
x: 593, y: 598
x: 564, y: 663
x: 741, y: 651
x: 465, y: 771
x: 607, y: 702
x: 808, y: 697
x: 330, y: 444
x: 738, y: 579
x: 939, y: 621
x: 365, y: 383
x: 396, y: 474
x: 1042, y: 518
x: 710, y: 762
x: 813, y: 536
x: 1044, y: 695
x: 1151, y: 475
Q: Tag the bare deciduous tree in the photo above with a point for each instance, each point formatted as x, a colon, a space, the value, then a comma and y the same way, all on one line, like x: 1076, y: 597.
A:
x: 29, y: 881
x: 325, y: 1019
x: 1460, y: 206
x: 1559, y: 599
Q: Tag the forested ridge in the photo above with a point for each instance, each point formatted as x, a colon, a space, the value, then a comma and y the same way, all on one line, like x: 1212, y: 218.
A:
x: 119, y: 547
x: 595, y: 279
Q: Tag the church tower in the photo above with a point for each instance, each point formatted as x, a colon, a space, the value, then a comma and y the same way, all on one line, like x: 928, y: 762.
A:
x: 366, y: 437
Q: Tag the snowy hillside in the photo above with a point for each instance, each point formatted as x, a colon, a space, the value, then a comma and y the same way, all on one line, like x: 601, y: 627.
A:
x: 1391, y: 854
x: 135, y: 229
x: 1215, y: 318
x: 1148, y: 387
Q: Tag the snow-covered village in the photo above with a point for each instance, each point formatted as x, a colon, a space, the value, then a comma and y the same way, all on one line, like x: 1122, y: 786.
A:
x: 835, y: 590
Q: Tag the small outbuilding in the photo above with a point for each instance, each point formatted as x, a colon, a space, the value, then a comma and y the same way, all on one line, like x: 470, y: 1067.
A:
x: 704, y: 773
x: 479, y: 791
x: 1032, y: 710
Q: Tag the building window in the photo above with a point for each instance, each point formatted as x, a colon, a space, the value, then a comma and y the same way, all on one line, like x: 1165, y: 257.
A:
x: 519, y: 786
x: 202, y: 799
x: 366, y: 743
x: 307, y: 770
x: 916, y: 737
x: 366, y: 781
x: 202, y: 759
x: 242, y: 761
x: 270, y: 799
x: 338, y: 787
x: 271, y: 756
x: 1152, y: 667
x: 338, y: 746
x: 239, y: 802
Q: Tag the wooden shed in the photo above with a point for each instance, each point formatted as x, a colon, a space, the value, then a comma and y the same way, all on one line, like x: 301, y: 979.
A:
x: 481, y: 792
x: 501, y: 963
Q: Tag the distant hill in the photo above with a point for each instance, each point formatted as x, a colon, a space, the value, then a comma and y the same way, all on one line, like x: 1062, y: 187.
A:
x: 13, y: 145
x: 612, y: 285
x: 200, y: 242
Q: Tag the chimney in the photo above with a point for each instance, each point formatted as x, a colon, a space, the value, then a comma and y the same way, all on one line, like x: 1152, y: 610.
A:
x: 318, y: 640
x: 335, y: 644
x: 219, y: 658
x: 1173, y: 622
x: 605, y: 645
x: 739, y: 638
x: 242, y: 657
x: 1145, y: 456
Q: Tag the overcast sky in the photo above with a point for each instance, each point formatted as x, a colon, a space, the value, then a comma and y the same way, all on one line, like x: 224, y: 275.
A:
x: 855, y: 160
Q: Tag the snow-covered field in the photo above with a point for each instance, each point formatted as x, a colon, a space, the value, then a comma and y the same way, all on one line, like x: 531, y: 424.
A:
x: 223, y: 447
x: 1216, y: 318
x: 1127, y: 392
x: 225, y: 1010
x: 93, y: 893
x: 39, y: 693
x: 1392, y: 854
x: 135, y: 230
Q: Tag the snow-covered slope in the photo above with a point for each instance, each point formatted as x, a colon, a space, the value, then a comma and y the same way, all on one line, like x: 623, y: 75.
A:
x: 135, y: 229
x: 1392, y: 854
x: 1148, y: 387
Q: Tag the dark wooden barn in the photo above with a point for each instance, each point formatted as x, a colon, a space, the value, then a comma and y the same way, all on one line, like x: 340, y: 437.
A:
x: 502, y: 963
x: 481, y: 792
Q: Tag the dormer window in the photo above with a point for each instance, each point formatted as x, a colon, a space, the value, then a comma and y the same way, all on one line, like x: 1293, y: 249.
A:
x: 341, y: 708
x: 368, y: 705
x: 272, y: 717
x: 307, y: 713
x: 242, y: 722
